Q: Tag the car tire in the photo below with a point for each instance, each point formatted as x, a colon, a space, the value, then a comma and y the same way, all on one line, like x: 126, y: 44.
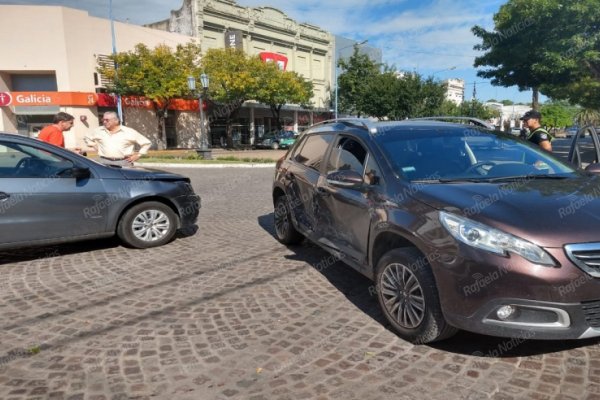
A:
x: 275, y: 146
x: 285, y: 231
x: 408, y: 296
x: 148, y: 224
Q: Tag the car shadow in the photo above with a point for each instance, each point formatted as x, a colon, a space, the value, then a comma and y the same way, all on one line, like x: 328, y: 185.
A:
x: 361, y: 292
x: 42, y: 252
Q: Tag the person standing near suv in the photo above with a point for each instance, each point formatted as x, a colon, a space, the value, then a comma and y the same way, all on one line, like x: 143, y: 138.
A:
x: 537, y: 134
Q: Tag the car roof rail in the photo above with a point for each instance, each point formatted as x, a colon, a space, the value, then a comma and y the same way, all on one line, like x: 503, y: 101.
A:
x: 364, y: 123
x: 462, y: 120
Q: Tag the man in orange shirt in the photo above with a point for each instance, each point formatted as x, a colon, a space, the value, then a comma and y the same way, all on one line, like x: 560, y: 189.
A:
x: 53, y: 134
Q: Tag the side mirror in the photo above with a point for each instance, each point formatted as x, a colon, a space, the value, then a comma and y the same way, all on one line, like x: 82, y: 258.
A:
x: 345, y: 178
x: 593, y: 168
x: 80, y: 172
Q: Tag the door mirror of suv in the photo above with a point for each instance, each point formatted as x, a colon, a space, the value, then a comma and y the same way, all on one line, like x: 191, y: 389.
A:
x: 345, y: 178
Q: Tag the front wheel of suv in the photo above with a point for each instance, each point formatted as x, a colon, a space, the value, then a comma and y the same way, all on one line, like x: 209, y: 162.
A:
x: 409, y: 298
x: 284, y: 228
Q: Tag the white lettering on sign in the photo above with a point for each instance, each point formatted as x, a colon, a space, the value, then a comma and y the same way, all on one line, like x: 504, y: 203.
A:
x: 135, y: 102
x: 33, y: 99
x: 5, y: 99
x: 232, y: 40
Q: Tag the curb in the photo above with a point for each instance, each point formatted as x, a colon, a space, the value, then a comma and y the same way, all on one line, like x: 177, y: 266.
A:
x: 173, y: 165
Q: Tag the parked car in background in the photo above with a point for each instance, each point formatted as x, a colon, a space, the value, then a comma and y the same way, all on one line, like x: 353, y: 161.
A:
x: 571, y: 131
x: 51, y: 195
x: 459, y: 228
x: 277, y: 140
x: 515, y: 130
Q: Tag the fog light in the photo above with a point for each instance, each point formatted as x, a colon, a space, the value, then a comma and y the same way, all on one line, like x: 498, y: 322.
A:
x: 505, y: 312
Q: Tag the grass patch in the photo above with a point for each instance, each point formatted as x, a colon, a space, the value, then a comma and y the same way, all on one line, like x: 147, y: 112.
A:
x: 196, y: 159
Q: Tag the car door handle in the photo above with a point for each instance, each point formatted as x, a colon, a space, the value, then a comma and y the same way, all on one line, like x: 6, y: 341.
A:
x: 4, y: 196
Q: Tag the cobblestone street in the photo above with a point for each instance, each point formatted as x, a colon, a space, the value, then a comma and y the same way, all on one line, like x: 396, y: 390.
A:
x: 227, y: 312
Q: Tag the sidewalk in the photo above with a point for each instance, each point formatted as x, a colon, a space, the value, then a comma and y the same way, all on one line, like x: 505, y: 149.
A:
x: 220, y: 153
x: 216, y: 154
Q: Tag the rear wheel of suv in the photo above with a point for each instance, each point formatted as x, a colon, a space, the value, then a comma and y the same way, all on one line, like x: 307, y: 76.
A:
x: 275, y: 146
x: 409, y: 298
x: 284, y: 228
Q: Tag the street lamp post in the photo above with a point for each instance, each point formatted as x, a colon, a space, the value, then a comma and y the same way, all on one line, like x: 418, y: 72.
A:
x: 336, y: 73
x: 204, y: 150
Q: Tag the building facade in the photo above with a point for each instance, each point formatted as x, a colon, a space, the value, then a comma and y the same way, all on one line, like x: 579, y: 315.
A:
x: 49, y: 65
x: 455, y: 90
x: 53, y: 54
x: 265, y: 31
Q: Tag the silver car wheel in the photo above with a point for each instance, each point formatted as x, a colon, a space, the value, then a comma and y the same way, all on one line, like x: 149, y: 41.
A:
x: 403, y: 295
x: 151, y: 225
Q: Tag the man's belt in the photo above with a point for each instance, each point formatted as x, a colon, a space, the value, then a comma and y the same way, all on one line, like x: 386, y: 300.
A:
x: 113, y: 159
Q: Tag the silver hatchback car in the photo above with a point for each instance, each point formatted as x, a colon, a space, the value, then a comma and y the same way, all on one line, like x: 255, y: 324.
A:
x: 51, y: 195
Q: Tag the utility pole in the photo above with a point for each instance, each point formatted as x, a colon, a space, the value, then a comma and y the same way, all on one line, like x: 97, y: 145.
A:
x: 114, y: 51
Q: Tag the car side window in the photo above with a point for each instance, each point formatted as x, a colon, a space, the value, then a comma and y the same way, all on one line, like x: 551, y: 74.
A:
x: 348, y: 154
x: 22, y: 161
x: 586, y: 149
x: 313, y: 150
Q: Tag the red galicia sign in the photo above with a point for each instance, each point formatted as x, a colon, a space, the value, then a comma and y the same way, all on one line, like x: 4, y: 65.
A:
x: 280, y: 59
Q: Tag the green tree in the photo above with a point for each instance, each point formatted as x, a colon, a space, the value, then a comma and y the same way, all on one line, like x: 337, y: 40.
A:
x: 380, y: 97
x: 358, y: 72
x: 471, y: 108
x: 159, y: 74
x: 277, y: 88
x: 551, y: 46
x: 572, y: 63
x: 234, y: 79
x: 587, y: 116
x: 521, y: 28
x: 558, y: 114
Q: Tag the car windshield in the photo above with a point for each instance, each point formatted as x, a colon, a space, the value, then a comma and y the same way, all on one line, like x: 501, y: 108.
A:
x: 450, y: 154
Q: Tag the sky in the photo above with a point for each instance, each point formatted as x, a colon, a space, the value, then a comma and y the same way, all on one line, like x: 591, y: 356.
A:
x: 430, y: 37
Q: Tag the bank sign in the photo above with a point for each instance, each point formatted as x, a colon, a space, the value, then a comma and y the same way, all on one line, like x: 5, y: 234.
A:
x: 86, y: 99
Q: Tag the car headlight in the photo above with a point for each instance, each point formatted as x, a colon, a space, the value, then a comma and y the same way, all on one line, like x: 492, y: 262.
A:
x: 487, y: 238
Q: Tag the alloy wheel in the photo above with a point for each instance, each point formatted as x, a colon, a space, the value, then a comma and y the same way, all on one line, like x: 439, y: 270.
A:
x: 151, y: 225
x: 403, y: 295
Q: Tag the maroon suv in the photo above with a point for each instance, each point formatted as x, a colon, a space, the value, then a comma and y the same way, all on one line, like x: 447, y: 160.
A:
x: 460, y: 227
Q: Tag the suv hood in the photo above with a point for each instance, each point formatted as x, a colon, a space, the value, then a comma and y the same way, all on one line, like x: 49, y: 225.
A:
x: 547, y: 212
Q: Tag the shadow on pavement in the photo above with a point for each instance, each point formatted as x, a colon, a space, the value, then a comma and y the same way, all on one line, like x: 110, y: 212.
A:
x: 360, y: 291
x: 42, y: 252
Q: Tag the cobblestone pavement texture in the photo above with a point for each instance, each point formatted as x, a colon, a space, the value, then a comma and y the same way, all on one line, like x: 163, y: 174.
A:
x: 226, y: 312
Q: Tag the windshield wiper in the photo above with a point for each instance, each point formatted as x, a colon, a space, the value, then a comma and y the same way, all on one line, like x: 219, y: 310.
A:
x: 523, y: 178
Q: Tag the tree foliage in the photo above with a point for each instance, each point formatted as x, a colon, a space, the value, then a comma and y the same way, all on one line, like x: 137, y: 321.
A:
x: 359, y: 72
x: 367, y: 88
x: 511, y: 47
x: 277, y: 88
x: 159, y: 74
x: 234, y: 79
x: 472, y: 108
x: 550, y: 45
x: 558, y: 114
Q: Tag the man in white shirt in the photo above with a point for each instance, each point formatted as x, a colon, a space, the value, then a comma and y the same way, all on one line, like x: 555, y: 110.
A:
x: 116, y: 143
